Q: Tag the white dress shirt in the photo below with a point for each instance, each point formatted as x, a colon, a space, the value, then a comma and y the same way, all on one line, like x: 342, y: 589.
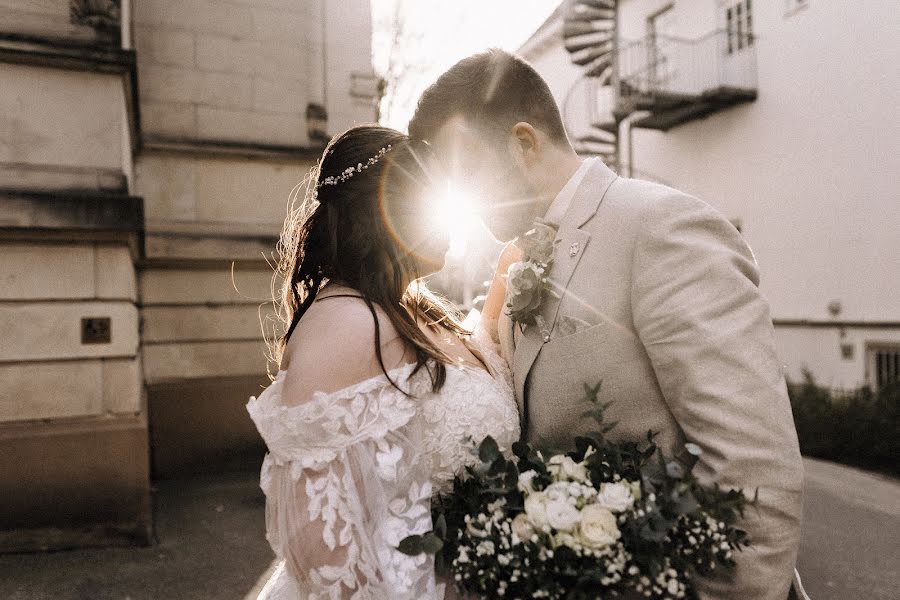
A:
x: 563, y: 199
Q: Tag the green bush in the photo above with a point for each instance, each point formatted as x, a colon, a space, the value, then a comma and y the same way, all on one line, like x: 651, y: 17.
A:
x: 859, y: 428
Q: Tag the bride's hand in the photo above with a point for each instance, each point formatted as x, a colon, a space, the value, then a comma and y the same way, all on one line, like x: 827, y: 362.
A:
x: 496, y: 295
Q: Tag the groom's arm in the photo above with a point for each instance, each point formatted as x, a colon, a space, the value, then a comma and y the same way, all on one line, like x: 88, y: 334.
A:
x: 708, y: 332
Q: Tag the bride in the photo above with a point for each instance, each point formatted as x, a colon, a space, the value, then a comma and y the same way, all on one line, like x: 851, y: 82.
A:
x: 381, y: 391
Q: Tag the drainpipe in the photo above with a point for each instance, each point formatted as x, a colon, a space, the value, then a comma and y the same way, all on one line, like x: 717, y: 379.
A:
x: 125, y: 24
x: 627, y: 122
x: 128, y: 144
x: 615, y: 79
x: 324, y: 6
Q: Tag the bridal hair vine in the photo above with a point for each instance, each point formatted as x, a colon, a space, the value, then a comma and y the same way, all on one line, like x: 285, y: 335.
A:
x: 351, y: 171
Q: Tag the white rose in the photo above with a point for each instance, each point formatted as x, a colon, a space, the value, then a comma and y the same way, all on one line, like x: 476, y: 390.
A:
x: 615, y: 497
x: 598, y: 527
x: 522, y: 527
x: 573, y: 470
x: 562, y: 515
x: 557, y: 491
x: 536, y: 509
x: 526, y: 481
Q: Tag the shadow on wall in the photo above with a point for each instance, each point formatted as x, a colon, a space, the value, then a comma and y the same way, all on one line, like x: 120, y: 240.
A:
x: 201, y: 426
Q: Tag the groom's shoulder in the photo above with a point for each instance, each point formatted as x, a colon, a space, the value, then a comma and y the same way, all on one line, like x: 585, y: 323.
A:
x: 641, y: 201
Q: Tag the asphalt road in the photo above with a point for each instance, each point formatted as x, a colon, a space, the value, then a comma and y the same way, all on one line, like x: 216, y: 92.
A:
x: 850, y: 548
x: 211, y: 545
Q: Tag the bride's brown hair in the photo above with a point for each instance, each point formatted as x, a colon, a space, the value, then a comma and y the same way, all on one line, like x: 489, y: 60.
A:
x: 340, y: 233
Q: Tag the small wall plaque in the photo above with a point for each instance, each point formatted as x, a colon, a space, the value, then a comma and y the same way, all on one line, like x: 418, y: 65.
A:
x: 96, y: 330
x: 847, y: 351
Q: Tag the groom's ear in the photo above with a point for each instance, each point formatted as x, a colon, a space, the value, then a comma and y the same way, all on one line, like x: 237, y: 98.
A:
x: 525, y: 140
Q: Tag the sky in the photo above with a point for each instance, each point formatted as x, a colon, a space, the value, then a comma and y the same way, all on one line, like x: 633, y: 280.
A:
x: 437, y: 33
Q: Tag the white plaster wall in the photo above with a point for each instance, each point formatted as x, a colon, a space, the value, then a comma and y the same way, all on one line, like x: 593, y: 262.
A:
x: 819, y: 351
x: 810, y: 167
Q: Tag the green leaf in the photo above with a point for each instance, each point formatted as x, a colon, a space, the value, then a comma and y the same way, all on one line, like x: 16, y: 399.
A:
x: 675, y: 470
x: 521, y: 450
x: 686, y: 504
x: 432, y: 544
x: 488, y: 451
x: 412, y: 545
x: 440, y: 527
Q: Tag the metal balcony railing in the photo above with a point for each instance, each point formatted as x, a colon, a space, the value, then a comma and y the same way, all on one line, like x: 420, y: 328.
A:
x: 661, y: 65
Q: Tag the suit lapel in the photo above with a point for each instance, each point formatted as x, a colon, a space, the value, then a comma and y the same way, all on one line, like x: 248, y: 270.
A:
x: 571, y: 242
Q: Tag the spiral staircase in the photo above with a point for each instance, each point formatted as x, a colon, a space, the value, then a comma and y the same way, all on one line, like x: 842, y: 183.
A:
x: 635, y: 80
x: 589, y: 35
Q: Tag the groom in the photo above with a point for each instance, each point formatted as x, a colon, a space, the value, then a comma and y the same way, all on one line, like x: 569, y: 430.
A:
x: 658, y: 299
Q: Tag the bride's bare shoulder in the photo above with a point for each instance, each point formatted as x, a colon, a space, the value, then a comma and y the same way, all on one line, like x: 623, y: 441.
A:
x: 333, y: 347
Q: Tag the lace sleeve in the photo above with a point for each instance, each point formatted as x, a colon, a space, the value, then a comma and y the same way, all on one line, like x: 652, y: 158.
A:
x: 484, y: 340
x: 345, y: 481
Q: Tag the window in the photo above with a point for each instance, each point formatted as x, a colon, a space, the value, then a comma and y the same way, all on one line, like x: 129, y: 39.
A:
x: 739, y: 25
x: 883, y: 365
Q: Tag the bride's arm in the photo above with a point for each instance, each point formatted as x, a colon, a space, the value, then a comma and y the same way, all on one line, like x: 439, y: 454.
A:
x: 344, y: 479
x: 496, y: 296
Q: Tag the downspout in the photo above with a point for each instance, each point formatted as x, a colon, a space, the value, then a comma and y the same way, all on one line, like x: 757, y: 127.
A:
x: 125, y: 24
x: 627, y: 122
x: 128, y: 144
x: 615, y: 79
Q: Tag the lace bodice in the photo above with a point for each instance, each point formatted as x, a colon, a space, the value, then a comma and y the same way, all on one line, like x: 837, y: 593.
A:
x: 351, y: 473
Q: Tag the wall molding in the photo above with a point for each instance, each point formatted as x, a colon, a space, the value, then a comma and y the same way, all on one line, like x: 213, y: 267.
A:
x: 161, y: 144
x: 815, y: 324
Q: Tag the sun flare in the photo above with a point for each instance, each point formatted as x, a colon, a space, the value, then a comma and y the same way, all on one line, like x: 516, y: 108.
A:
x: 456, y: 215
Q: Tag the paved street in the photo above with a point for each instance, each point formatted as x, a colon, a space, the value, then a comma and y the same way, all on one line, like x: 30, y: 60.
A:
x: 211, y: 546
x: 851, y: 534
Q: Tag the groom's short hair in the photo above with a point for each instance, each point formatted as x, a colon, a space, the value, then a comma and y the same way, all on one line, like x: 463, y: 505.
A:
x: 492, y: 90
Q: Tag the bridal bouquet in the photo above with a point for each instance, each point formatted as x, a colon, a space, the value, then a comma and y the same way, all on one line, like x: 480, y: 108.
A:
x: 604, y: 521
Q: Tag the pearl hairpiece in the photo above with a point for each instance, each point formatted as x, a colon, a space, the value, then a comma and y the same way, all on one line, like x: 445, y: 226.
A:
x: 351, y: 171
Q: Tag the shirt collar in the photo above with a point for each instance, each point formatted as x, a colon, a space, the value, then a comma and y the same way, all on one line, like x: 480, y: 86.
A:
x: 563, y: 199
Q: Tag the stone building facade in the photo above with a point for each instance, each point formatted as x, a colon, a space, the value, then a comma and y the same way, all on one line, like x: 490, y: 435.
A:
x: 148, y: 149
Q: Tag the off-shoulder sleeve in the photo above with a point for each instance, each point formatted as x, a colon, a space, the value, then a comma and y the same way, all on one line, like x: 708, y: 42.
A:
x: 345, y: 481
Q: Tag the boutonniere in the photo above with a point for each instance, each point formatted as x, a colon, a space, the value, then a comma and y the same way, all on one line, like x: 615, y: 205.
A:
x: 528, y: 281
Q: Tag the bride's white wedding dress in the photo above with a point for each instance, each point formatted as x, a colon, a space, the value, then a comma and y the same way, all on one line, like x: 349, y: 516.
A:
x: 351, y: 473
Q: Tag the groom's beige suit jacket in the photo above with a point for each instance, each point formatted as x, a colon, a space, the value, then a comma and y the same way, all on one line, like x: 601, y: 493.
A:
x: 659, y: 301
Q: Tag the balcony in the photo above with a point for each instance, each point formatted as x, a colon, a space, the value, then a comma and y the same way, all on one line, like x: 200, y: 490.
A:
x: 678, y: 80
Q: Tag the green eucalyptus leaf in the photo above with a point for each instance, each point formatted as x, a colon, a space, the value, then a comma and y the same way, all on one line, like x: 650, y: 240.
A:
x: 411, y: 545
x: 440, y: 527
x: 488, y: 451
x: 432, y: 544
